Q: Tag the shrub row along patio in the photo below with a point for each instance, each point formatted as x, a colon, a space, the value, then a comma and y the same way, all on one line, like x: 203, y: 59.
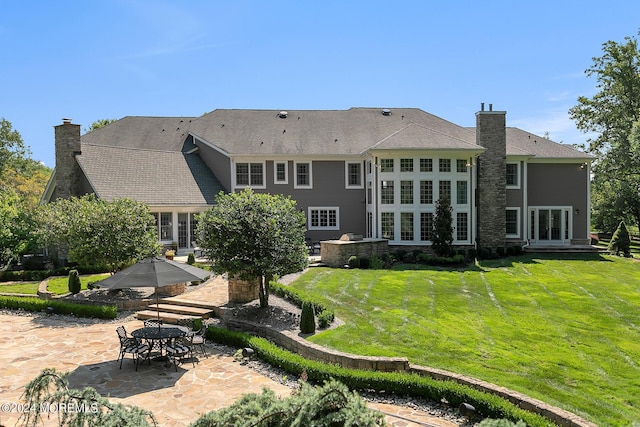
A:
x: 564, y: 329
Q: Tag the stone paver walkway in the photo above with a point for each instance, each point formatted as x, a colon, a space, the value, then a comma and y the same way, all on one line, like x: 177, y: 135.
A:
x: 88, y: 349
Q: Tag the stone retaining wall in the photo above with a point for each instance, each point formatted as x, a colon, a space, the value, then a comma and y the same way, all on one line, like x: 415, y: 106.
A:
x: 243, y: 290
x: 298, y: 344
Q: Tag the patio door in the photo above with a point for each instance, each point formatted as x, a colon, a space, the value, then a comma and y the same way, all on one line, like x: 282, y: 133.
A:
x: 550, y: 225
x: 183, y: 241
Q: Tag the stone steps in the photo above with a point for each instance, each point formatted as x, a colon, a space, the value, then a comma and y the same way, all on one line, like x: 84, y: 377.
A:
x: 171, y: 310
x: 166, y: 317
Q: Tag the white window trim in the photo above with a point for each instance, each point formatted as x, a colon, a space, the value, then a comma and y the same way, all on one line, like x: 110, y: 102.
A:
x: 323, y: 208
x: 517, y: 186
x: 286, y: 172
x: 346, y: 176
x: 264, y: 172
x: 295, y: 172
x: 518, y: 224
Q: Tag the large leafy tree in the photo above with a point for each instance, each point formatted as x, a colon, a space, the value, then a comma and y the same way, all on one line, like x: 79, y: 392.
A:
x: 12, y: 148
x: 22, y: 181
x: 612, y: 115
x: 100, y: 233
x: 254, y: 235
x: 99, y: 124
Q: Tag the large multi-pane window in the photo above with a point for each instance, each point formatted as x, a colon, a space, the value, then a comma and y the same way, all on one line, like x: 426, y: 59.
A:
x: 406, y: 165
x: 386, y: 165
x: 461, y: 192
x: 249, y: 174
x: 444, y: 190
x: 462, y: 226
x: 387, y: 225
x: 426, y: 226
x: 444, y: 165
x: 323, y: 219
x: 406, y: 192
x: 406, y: 226
x: 386, y: 192
x: 461, y: 166
x: 426, y: 165
x: 426, y: 192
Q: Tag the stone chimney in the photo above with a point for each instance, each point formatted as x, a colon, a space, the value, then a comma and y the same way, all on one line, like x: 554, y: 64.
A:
x: 67, y: 140
x: 491, y: 201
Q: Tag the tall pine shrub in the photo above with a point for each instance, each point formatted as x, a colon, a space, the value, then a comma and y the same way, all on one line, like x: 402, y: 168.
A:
x: 620, y: 242
x: 307, y: 319
x: 443, y: 228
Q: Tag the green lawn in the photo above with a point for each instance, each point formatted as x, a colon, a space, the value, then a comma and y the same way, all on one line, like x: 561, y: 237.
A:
x: 563, y: 330
x: 59, y: 285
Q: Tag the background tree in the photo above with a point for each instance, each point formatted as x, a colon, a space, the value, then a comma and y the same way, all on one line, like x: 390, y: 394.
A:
x: 613, y: 115
x: 12, y: 148
x: 254, y: 235
x: 99, y: 233
x: 442, y: 228
x: 22, y: 182
x: 99, y: 124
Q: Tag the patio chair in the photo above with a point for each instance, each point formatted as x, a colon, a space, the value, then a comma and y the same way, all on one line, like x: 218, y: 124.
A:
x: 132, y: 346
x: 196, y: 249
x: 195, y: 336
x: 179, y: 349
x: 149, y: 323
x: 198, y: 339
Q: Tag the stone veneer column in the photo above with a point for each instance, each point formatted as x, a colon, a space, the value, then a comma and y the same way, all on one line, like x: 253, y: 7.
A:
x: 67, y: 144
x: 492, y: 184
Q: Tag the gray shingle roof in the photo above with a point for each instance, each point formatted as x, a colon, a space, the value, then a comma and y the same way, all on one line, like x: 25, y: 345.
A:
x: 320, y: 132
x: 151, y: 176
x: 520, y: 142
x: 152, y: 133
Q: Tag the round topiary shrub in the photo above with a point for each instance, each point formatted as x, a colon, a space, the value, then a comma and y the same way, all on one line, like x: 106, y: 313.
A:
x: 307, y: 319
x: 74, y: 282
x: 354, y: 262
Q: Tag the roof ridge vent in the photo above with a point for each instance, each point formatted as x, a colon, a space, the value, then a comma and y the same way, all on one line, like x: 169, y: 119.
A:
x: 283, y: 114
x: 386, y: 112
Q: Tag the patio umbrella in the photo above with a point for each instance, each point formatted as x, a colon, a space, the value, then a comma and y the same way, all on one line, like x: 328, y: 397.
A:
x: 154, y: 273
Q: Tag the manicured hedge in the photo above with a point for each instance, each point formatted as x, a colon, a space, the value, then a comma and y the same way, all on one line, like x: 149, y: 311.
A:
x: 399, y: 383
x: 59, y: 307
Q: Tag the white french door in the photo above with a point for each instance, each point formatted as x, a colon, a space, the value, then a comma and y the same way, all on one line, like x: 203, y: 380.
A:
x: 550, y: 225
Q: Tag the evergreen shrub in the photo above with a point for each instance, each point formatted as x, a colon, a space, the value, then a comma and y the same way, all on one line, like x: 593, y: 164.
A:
x: 74, y: 282
x: 620, y: 242
x: 191, y: 259
x: 307, y: 319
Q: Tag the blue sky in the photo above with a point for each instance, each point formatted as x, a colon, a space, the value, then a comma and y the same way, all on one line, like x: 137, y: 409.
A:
x: 91, y: 60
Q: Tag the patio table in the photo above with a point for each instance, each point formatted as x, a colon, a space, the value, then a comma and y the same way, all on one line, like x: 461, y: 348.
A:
x: 158, y: 336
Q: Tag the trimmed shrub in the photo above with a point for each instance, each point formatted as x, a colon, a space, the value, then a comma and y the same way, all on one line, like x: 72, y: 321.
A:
x: 307, y: 319
x: 376, y: 263
x: 500, y: 251
x: 620, y: 242
x: 400, y: 383
x: 59, y: 307
x: 74, y: 282
x: 325, y: 318
x: 354, y: 262
x: 191, y: 259
x: 364, y: 261
x: 472, y: 253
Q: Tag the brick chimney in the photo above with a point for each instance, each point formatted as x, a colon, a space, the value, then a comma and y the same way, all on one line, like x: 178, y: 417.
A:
x: 67, y: 140
x: 491, y: 134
